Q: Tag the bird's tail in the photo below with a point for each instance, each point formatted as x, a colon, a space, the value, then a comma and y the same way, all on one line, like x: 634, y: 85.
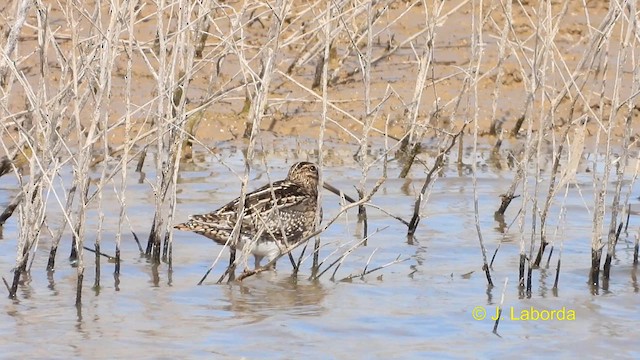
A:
x: 187, y: 226
x: 215, y: 229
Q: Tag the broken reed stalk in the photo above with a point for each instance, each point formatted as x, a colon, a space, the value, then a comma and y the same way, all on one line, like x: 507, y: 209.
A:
x: 523, y: 171
x: 500, y: 307
x: 474, y: 68
x: 8, y: 211
x: 416, y: 131
x: 68, y: 209
x: 506, y: 198
x: 366, y: 271
x: 556, y: 279
x: 338, y: 262
x: 496, y: 125
x: 504, y: 229
x: 409, y: 158
x: 12, y: 38
x: 438, y: 164
x: 509, y: 195
x: 599, y: 60
x: 156, y: 233
x: 550, y: 196
x: 99, y: 253
x: 366, y: 266
x: 534, y: 214
x: 598, y: 218
x: 561, y: 221
x: 101, y: 184
x: 202, y: 27
x: 102, y: 133
x: 141, y: 158
x: 31, y: 217
x: 324, y: 78
x: 621, y: 165
x: 370, y: 115
x: 636, y: 250
x: 122, y: 198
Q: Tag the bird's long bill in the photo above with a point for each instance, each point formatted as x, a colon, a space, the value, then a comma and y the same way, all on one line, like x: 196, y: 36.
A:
x: 334, y: 190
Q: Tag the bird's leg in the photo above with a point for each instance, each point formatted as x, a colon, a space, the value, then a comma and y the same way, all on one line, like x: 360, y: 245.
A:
x: 257, y: 259
x: 273, y: 254
x: 232, y: 264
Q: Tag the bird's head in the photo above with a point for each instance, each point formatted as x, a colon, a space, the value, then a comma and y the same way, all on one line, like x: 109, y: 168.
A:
x: 305, y: 174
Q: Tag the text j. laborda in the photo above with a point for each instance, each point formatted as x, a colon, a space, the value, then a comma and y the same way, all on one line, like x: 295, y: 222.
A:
x: 527, y: 314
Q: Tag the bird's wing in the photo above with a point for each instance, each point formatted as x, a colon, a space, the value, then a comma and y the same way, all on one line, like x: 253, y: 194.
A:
x: 281, y: 194
x: 259, y: 213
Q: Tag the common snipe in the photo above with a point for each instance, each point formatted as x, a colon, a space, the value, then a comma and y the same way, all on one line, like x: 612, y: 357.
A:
x: 275, y: 215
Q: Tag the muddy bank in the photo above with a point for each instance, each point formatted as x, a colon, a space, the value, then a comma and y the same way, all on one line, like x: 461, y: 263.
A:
x: 511, y: 67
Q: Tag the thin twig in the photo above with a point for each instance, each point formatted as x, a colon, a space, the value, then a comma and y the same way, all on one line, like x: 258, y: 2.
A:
x: 367, y: 272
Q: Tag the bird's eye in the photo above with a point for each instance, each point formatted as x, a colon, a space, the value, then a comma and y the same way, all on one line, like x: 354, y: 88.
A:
x: 313, y: 168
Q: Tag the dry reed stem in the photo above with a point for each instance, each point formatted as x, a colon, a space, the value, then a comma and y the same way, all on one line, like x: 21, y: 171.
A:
x: 324, y: 78
x: 523, y: 169
x: 12, y: 39
x: 636, y: 250
x: 122, y: 199
x: 8, y: 211
x: 496, y: 129
x: 601, y: 182
x: 437, y: 166
x: 57, y: 236
x: 500, y: 307
x: 425, y: 59
x: 338, y: 262
x: 535, y: 83
x: 366, y: 271
x: 568, y: 173
x: 411, y: 144
x: 621, y: 164
x: 474, y: 71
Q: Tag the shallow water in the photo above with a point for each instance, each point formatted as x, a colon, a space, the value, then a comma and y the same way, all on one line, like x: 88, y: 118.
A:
x: 415, y: 309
